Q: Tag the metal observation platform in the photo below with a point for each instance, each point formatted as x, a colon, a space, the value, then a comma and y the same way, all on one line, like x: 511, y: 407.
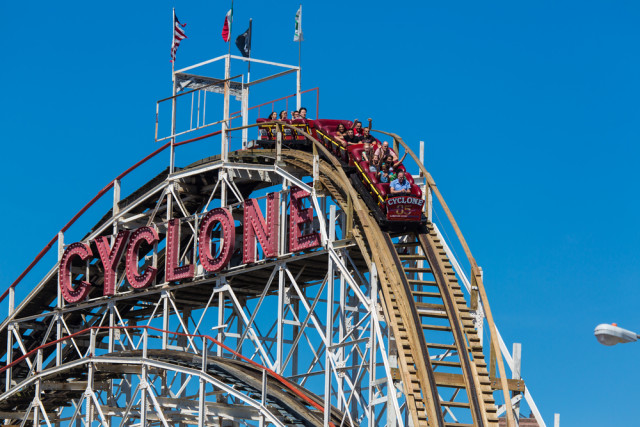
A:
x: 254, y: 287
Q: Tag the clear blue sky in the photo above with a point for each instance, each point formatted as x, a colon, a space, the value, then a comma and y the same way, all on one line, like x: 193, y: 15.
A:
x: 529, y: 109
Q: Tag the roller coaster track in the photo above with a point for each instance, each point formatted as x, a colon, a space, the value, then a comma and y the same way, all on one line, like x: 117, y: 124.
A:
x: 406, y: 310
x: 423, y: 305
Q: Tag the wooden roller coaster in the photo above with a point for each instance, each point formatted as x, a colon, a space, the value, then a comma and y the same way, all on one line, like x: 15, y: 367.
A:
x: 369, y: 325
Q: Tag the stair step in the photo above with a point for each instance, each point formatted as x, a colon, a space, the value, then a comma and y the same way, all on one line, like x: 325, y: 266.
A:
x: 412, y: 257
x: 429, y: 306
x: 436, y: 328
x: 442, y: 346
x: 422, y: 282
x: 454, y: 404
x: 406, y: 244
x: 445, y: 363
x: 426, y: 294
x: 417, y: 270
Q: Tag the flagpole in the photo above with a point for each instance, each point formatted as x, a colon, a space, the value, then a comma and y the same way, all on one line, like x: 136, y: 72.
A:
x: 245, y: 97
x: 249, y: 63
x: 299, y: 77
x: 173, y: 101
x: 230, y: 26
x: 300, y: 39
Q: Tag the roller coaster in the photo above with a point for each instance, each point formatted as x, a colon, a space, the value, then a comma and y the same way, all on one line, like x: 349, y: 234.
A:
x: 184, y: 304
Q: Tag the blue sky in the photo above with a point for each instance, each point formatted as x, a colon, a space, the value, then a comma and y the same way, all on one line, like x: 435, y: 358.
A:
x: 529, y: 111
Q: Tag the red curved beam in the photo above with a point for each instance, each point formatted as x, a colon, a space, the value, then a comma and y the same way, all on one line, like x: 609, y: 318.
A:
x: 280, y: 378
x: 97, y: 197
x: 102, y: 192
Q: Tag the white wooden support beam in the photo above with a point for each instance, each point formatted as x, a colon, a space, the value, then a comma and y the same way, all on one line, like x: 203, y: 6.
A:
x: 116, y: 208
x: 373, y: 283
x: 244, y: 111
x: 280, y: 324
x: 516, y: 375
x: 201, y: 407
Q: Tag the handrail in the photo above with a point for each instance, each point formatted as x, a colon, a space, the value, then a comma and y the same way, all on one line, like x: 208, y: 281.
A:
x: 317, y: 89
x: 280, y: 378
x: 474, y: 270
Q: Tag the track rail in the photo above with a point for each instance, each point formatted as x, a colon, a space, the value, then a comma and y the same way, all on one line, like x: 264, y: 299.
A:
x: 415, y: 365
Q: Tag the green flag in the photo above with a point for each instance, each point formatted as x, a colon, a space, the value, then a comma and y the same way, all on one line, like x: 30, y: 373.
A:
x: 297, y: 36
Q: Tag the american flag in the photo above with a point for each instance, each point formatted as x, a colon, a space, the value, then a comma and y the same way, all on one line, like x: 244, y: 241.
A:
x: 178, y: 36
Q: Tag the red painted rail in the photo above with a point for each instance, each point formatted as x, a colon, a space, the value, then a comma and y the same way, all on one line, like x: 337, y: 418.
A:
x: 97, y: 197
x: 108, y: 187
x: 85, y: 331
x: 316, y: 89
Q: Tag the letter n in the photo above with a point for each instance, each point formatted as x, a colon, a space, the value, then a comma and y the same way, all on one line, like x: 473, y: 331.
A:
x: 255, y: 226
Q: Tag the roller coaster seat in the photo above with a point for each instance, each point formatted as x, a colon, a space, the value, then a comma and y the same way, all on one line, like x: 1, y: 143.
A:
x: 331, y: 125
x: 301, y: 124
x: 384, y: 190
x: 266, y: 132
x: 355, y: 151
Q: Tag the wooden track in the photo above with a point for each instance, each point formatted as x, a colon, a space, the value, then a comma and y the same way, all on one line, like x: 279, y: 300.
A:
x: 402, y: 309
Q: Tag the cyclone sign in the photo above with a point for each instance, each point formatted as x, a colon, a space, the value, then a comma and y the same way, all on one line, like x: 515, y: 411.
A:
x: 105, y: 254
x: 404, y: 208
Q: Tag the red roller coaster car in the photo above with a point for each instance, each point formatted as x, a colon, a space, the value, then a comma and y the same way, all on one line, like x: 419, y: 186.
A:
x: 406, y: 208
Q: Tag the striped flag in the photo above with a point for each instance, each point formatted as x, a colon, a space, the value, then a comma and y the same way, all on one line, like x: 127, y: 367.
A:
x: 226, y: 28
x: 297, y: 36
x: 178, y: 35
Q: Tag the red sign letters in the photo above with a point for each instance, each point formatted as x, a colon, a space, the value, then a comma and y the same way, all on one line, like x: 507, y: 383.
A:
x: 128, y: 243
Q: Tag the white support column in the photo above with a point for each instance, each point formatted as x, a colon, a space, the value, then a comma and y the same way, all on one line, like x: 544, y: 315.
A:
x: 556, y: 420
x: 516, y: 375
x: 38, y: 386
x: 112, y: 324
x: 263, y: 400
x: 60, y: 305
x: 173, y: 124
x: 245, y: 115
x: 225, y: 123
x: 8, y: 372
x: 279, y: 148
x: 202, y: 397
x: 342, y: 298
x: 89, y: 390
x: 220, y: 325
x: 143, y: 379
x: 373, y: 282
x: 116, y: 208
x: 165, y: 319
x: 280, y: 326
x: 329, y: 331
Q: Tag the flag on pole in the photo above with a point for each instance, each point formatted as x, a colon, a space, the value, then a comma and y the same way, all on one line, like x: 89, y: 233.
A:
x: 297, y: 36
x: 178, y: 36
x: 226, y: 28
x: 243, y: 42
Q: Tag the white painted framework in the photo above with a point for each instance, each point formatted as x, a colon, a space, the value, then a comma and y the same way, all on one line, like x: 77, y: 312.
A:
x: 329, y: 336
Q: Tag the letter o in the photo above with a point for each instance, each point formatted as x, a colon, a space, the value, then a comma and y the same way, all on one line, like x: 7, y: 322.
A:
x: 227, y: 226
